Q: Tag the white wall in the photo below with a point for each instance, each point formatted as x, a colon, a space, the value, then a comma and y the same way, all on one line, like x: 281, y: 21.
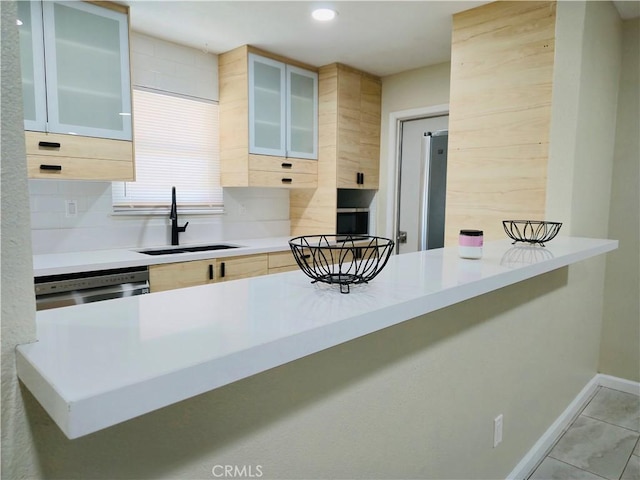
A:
x: 249, y: 213
x: 16, y: 268
x: 620, y: 350
x: 419, y: 88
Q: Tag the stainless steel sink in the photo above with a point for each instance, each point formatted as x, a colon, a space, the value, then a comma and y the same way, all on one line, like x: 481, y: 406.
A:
x: 201, y: 248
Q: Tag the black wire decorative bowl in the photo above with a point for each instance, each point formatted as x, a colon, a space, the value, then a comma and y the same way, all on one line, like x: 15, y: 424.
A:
x: 341, y: 259
x: 531, y: 231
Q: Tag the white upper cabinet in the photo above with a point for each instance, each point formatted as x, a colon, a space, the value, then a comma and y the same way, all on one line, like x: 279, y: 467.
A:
x: 283, y: 109
x: 83, y: 52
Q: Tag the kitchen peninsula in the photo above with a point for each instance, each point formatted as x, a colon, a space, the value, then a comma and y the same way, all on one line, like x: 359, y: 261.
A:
x: 97, y: 365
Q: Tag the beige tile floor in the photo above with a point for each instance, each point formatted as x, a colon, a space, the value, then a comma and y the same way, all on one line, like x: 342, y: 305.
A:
x: 602, y: 443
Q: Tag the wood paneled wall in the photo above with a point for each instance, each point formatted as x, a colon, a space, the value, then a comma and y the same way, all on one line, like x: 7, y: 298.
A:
x: 500, y: 114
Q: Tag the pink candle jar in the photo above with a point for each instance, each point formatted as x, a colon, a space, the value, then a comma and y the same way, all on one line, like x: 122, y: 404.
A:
x: 470, y: 244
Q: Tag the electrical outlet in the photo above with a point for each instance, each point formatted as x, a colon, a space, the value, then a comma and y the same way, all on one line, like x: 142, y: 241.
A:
x: 71, y: 208
x: 497, y: 430
x: 243, y: 209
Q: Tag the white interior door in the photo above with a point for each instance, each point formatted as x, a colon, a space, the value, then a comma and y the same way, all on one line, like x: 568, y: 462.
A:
x: 409, y: 174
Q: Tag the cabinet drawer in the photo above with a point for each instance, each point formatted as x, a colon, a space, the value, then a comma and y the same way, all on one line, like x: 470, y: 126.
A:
x: 62, y: 168
x: 180, y: 275
x: 281, y: 259
x: 232, y: 268
x: 74, y: 146
x: 281, y: 179
x: 266, y: 163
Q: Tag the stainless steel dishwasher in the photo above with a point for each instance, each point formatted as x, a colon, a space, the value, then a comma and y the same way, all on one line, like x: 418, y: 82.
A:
x: 53, y: 291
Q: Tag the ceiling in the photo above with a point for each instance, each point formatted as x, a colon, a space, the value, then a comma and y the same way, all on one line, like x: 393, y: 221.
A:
x: 380, y: 37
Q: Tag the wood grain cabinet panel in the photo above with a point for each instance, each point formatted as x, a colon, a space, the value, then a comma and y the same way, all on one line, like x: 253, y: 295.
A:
x: 283, y: 172
x: 282, y: 262
x: 169, y: 276
x: 240, y: 166
x: 357, y: 128
x: 245, y: 266
x: 57, y: 156
x: 349, y: 146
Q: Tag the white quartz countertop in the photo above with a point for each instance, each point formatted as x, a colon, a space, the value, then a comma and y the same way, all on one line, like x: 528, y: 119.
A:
x: 83, y: 261
x: 98, y: 364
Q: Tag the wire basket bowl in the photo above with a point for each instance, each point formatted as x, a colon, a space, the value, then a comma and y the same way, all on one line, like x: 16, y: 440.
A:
x: 341, y: 259
x: 531, y: 231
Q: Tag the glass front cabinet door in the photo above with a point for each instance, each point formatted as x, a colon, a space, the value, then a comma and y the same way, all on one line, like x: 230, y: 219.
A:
x: 283, y: 109
x: 83, y: 52
x: 302, y: 113
x: 32, y: 64
x: 266, y: 106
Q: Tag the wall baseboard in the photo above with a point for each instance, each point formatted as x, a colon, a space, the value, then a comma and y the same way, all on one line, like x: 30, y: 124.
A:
x: 554, y: 432
x: 616, y: 383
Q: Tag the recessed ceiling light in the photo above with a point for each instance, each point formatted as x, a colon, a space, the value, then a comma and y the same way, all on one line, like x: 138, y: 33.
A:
x: 18, y: 22
x: 323, y: 14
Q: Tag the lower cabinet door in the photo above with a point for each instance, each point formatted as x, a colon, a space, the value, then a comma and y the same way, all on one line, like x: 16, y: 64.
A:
x: 282, y: 262
x: 180, y: 275
x: 169, y: 276
x: 233, y: 268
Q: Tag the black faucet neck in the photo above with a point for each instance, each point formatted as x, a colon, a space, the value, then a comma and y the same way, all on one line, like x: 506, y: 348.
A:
x: 173, y: 216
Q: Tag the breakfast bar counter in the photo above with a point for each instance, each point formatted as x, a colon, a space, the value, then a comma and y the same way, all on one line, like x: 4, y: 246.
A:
x: 99, y: 364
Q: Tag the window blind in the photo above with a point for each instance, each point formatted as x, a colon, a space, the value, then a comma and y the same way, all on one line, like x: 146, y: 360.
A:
x: 176, y: 144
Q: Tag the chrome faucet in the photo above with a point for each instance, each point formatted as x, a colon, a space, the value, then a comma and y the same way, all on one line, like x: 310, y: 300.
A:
x: 173, y: 216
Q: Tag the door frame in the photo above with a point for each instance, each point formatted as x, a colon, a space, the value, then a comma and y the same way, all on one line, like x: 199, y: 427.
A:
x: 393, y: 174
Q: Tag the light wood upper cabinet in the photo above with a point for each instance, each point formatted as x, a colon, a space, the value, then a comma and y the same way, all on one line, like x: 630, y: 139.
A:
x: 268, y: 110
x: 76, y: 90
x: 357, y: 126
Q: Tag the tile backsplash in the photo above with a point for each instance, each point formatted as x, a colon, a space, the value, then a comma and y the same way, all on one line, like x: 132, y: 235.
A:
x: 249, y: 213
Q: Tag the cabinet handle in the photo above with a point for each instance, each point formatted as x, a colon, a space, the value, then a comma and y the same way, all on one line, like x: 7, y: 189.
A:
x: 287, y: 180
x: 49, y: 144
x: 222, y: 270
x: 210, y: 272
x: 286, y: 165
x: 361, y: 178
x: 55, y: 168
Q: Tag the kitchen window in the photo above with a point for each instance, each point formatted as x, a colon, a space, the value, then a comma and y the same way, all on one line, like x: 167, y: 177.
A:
x: 176, y: 143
